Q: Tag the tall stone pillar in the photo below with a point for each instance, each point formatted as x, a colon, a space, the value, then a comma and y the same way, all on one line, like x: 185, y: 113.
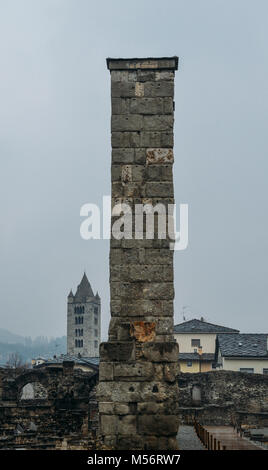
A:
x: 138, y: 391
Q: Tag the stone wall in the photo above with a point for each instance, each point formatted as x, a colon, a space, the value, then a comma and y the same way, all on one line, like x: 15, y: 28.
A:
x: 138, y: 390
x: 223, y: 398
x: 68, y: 409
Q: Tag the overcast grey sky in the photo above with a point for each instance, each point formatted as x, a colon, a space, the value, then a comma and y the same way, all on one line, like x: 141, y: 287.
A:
x: 55, y: 151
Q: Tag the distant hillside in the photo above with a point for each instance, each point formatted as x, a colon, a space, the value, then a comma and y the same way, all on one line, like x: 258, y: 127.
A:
x: 10, y: 338
x: 29, y: 348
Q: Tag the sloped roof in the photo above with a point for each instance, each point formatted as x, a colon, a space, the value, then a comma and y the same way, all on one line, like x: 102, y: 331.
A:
x: 243, y: 345
x: 83, y: 290
x: 196, y: 357
x: 198, y: 326
x: 90, y: 361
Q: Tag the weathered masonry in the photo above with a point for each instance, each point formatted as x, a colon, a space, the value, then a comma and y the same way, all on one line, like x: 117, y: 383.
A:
x: 48, y: 408
x: 138, y: 392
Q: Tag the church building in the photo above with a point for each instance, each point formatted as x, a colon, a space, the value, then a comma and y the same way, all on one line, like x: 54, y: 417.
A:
x: 83, y: 321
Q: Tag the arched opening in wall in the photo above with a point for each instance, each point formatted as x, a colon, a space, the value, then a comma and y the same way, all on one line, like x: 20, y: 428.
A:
x: 196, y: 395
x: 33, y: 391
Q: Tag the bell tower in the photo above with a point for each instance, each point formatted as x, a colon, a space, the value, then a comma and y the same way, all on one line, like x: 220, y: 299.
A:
x: 83, y: 321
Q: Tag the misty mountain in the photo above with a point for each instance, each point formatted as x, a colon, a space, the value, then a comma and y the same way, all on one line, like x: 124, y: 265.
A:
x: 10, y: 338
x: 29, y: 348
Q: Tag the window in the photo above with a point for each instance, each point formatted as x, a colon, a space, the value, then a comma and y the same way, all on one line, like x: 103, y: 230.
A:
x: 96, y: 310
x: 96, y: 333
x: 196, y: 342
x: 81, y: 342
x: 249, y: 370
x: 265, y: 371
x: 81, y: 332
x: 96, y: 320
x: 189, y: 364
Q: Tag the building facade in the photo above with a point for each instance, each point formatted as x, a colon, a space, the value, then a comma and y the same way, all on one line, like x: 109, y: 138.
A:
x: 197, y: 344
x: 246, y: 352
x: 83, y: 321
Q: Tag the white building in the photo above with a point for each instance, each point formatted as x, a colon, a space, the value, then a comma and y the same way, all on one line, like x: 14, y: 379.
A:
x: 243, y: 352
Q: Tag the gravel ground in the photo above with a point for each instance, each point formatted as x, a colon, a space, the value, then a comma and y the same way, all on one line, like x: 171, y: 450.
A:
x: 188, y: 439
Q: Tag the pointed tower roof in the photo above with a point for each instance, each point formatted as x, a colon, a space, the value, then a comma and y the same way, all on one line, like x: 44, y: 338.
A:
x: 71, y: 294
x: 83, y: 290
x: 97, y: 296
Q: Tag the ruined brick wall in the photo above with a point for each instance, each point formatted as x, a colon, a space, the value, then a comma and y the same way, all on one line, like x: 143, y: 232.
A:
x: 69, y: 407
x: 224, y: 398
x: 138, y: 390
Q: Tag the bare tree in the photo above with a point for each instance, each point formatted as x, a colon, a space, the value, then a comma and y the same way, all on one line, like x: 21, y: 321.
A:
x: 16, y: 362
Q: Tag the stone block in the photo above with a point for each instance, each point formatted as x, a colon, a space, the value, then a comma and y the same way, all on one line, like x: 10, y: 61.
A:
x: 161, y: 352
x: 128, y: 425
x: 108, y: 424
x: 157, y: 123
x: 142, y: 290
x: 156, y: 139
x: 119, y: 76
x: 159, y: 88
x: 138, y: 371
x: 122, y: 155
x: 117, y: 351
x: 116, y: 173
x: 158, y: 256
x: 167, y: 407
x: 120, y: 106
x: 169, y: 106
x: 149, y: 273
x: 139, y: 89
x: 123, y: 331
x: 106, y: 408
x: 146, y: 105
x: 157, y: 64
x: 145, y: 75
x: 122, y: 409
x: 126, y: 139
x: 159, y: 173
x: 159, y: 189
x: 116, y: 256
x: 126, y: 173
x: 123, y: 89
x: 106, y: 371
x: 156, y: 156
x: 138, y: 173
x: 128, y: 122
x: 142, y: 307
x: 158, y: 425
x: 133, y: 442
x: 164, y: 75
x: 140, y: 156
x: 165, y: 326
